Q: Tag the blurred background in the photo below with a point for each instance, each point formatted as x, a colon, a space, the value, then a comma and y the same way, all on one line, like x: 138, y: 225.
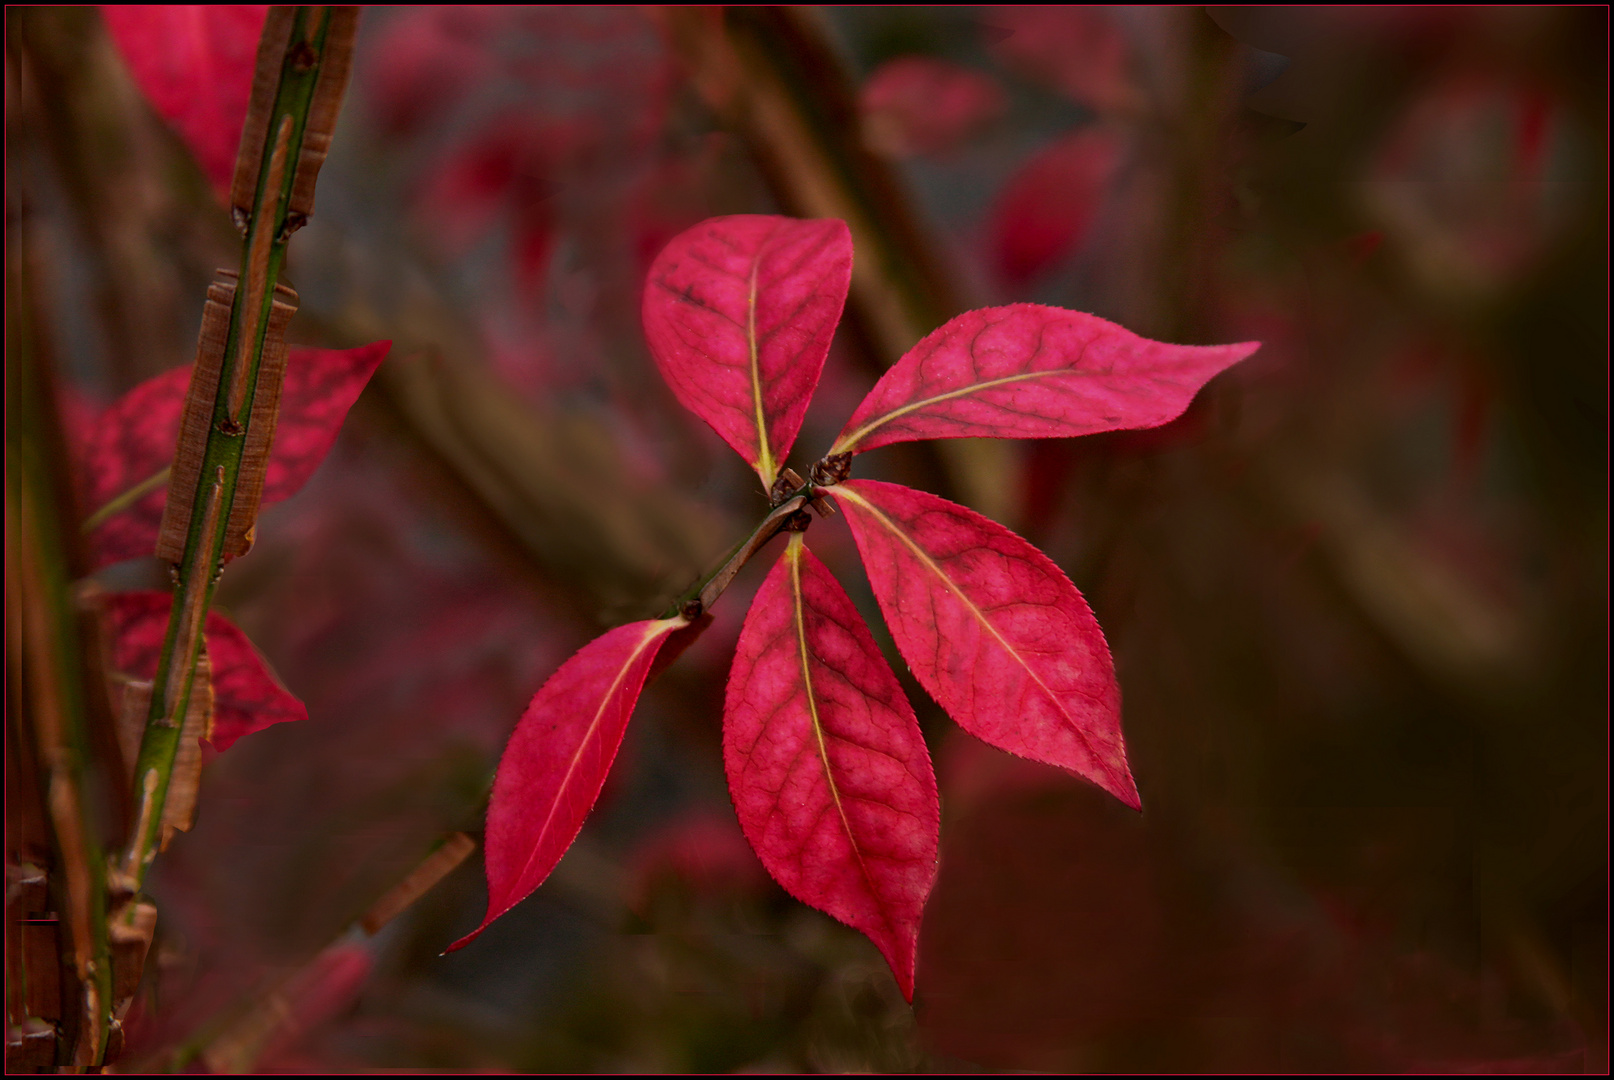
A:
x: 1357, y: 595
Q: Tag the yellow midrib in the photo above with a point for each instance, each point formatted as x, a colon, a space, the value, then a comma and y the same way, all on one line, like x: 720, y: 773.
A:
x: 952, y: 587
x: 842, y: 445
x: 794, y: 553
x: 765, y: 464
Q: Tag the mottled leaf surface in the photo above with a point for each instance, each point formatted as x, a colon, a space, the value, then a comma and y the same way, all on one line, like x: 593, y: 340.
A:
x: 826, y: 764
x: 246, y: 695
x: 993, y: 630
x: 194, y: 63
x: 1027, y: 371
x: 739, y: 312
x: 134, y: 439
x: 556, y: 762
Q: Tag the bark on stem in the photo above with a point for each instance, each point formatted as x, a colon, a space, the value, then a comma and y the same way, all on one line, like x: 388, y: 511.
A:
x: 705, y: 592
x: 302, y: 66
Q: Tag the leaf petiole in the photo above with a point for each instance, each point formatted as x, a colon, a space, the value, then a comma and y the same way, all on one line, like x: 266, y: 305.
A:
x: 704, y: 593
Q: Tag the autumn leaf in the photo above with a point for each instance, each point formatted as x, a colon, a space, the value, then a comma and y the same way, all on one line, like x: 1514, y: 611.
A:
x: 993, y: 630
x: 132, y: 442
x: 1027, y: 371
x: 1045, y: 209
x: 739, y: 312
x: 556, y: 762
x: 194, y: 64
x: 246, y: 695
x: 826, y: 764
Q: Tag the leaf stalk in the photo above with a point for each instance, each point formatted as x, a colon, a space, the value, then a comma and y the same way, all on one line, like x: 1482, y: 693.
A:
x: 704, y: 593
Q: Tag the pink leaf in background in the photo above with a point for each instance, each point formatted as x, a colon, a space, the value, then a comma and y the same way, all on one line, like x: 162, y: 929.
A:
x: 1044, y: 210
x: 1078, y: 50
x: 1026, y: 371
x: 920, y: 105
x: 470, y: 189
x: 425, y: 60
x: 134, y: 439
x: 246, y: 695
x: 828, y: 770
x: 194, y: 63
x: 555, y: 764
x: 993, y: 630
x: 739, y: 312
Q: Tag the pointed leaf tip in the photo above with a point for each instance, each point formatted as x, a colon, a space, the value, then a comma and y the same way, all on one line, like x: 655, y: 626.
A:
x: 828, y: 770
x: 1027, y: 371
x: 993, y: 630
x: 556, y: 762
x: 246, y: 695
x: 739, y: 312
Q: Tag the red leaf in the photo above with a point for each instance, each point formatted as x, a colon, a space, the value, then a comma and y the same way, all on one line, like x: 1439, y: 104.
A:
x: 739, y: 312
x: 827, y: 767
x: 134, y: 439
x: 1026, y: 371
x: 993, y: 630
x: 556, y: 762
x: 921, y: 105
x: 1045, y: 209
x: 194, y: 63
x: 246, y: 695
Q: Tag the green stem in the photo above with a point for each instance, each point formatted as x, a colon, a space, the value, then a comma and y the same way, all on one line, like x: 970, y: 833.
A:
x: 263, y: 255
x: 119, y: 503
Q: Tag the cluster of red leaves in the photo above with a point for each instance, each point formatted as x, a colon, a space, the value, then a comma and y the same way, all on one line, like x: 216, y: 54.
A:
x: 827, y: 768
x: 132, y: 441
